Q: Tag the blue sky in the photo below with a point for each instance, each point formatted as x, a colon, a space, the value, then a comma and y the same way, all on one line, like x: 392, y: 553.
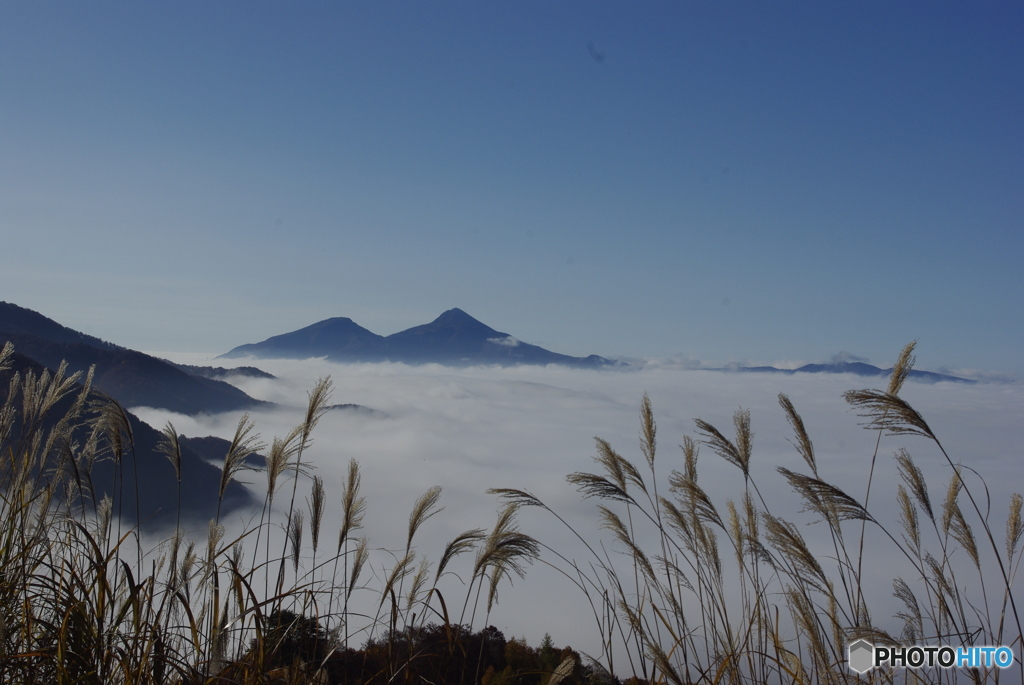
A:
x: 726, y: 182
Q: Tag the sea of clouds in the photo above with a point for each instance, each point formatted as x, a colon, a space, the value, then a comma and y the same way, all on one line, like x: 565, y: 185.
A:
x: 471, y: 429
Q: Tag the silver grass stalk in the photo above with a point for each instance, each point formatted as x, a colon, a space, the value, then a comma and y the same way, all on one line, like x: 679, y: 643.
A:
x: 825, y: 499
x: 353, y: 505
x: 419, y: 580
x: 913, y: 621
x: 170, y: 447
x: 786, y: 539
x: 915, y: 481
x: 243, y: 444
x: 803, y: 443
x: 1014, y: 526
x: 213, y: 538
x: 295, y: 538
x: 5, y: 356
x: 888, y: 413
x: 463, y: 542
x: 909, y: 519
x: 423, y: 509
x: 691, y: 450
x: 737, y: 453
x: 279, y: 459
x: 901, y: 369
x: 362, y: 553
x: 619, y: 469
x: 562, y: 671
x: 316, y: 510
x: 648, y: 430
x: 399, y: 572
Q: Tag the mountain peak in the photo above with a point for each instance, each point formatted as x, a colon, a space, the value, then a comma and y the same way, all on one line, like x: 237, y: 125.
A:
x: 454, y: 338
x: 454, y: 315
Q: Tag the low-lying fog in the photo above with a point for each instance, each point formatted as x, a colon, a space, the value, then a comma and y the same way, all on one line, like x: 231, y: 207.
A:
x: 468, y: 430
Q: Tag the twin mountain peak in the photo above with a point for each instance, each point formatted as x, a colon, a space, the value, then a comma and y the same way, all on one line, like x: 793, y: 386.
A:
x: 455, y: 338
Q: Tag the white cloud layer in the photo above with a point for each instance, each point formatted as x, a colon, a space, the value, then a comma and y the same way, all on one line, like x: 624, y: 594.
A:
x: 507, y: 341
x: 468, y: 430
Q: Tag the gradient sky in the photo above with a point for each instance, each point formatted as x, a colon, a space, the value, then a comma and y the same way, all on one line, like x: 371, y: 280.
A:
x: 723, y: 181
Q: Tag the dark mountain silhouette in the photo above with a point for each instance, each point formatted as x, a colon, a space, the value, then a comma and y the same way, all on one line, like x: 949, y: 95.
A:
x: 337, y: 338
x: 455, y: 338
x: 133, y: 378
x: 220, y: 373
x: 157, y: 482
x: 18, y: 320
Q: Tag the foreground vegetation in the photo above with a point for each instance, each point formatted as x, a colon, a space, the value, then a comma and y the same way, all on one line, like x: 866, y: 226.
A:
x: 83, y: 600
x: 666, y: 602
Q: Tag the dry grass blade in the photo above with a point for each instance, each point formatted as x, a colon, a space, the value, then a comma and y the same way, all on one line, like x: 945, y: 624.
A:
x: 737, y: 453
x: 695, y: 499
x: 691, y: 450
x: 319, y: 396
x: 280, y: 459
x: 592, y: 485
x: 786, y: 539
x: 950, y: 504
x: 889, y: 413
x: 243, y: 444
x: 664, y: 664
x: 316, y: 510
x: 423, y: 509
x: 400, y: 571
x: 1014, y: 526
x: 610, y: 521
x: 563, y: 671
x: 359, y: 559
x: 419, y: 581
x: 5, y: 356
x: 803, y: 441
x: 518, y: 498
x: 913, y: 622
x: 901, y: 369
x: 353, y: 505
x: 506, y: 549
x: 915, y: 481
x: 735, y: 531
x: 170, y: 448
x: 619, y: 469
x: 909, y: 519
x: 826, y: 499
x: 955, y: 524
x: 463, y: 542
x: 213, y: 537
x: 648, y: 431
x: 113, y: 424
x: 295, y: 537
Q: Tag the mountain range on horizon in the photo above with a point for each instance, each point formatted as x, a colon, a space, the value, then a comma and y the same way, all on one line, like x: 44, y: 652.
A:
x: 137, y: 379
x: 457, y: 339
x: 454, y: 339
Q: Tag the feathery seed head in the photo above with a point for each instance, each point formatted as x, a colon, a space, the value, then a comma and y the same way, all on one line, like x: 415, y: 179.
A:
x: 901, y: 369
x: 803, y: 441
x: 888, y: 412
x: 1014, y: 527
x: 648, y: 430
x: 423, y: 509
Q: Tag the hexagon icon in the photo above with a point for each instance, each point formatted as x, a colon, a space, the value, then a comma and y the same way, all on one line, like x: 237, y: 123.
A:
x: 861, y: 656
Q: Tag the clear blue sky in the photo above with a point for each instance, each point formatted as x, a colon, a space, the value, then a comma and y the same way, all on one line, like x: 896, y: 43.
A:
x: 727, y: 181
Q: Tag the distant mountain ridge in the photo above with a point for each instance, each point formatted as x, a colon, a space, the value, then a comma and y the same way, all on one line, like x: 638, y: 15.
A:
x: 133, y: 378
x: 856, y: 368
x: 454, y: 338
